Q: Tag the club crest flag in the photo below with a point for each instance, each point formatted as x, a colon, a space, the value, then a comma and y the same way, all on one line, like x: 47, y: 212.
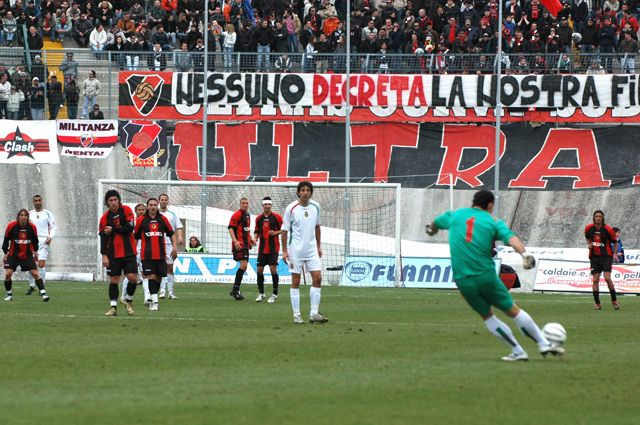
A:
x: 87, y: 139
x: 145, y: 142
x: 28, y: 142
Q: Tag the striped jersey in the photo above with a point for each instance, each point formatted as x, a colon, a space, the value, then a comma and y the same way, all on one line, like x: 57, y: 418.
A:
x: 300, y: 222
x: 152, y: 232
x: 20, y: 242
x: 601, y: 240
x: 265, y: 223
x: 240, y: 223
x: 120, y: 243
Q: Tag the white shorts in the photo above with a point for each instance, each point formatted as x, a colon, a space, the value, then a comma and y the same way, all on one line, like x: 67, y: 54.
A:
x: 43, y: 250
x: 168, y: 249
x: 310, y: 265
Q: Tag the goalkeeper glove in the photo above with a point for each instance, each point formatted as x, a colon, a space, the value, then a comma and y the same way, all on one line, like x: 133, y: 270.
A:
x: 528, y: 260
x: 431, y: 229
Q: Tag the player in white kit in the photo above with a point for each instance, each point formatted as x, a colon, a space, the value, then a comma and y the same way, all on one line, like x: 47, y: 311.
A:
x: 301, y: 249
x: 139, y: 210
x: 46, y: 225
x: 167, y: 283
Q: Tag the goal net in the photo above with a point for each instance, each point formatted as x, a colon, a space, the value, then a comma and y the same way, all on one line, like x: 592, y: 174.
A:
x: 360, y: 226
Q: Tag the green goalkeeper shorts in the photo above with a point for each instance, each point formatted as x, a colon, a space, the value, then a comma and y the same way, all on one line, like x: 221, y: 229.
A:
x: 484, y: 291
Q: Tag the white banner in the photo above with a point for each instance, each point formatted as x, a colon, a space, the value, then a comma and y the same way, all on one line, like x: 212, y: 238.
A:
x: 28, y: 142
x: 87, y: 139
x: 575, y: 276
x: 389, y: 90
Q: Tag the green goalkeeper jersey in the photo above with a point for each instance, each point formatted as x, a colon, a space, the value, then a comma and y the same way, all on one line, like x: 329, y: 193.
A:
x: 472, y: 232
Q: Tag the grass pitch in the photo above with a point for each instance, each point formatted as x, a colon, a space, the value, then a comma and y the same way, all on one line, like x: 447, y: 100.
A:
x: 387, y: 356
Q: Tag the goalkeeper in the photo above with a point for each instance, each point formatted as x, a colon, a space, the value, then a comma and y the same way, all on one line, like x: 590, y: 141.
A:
x: 472, y: 232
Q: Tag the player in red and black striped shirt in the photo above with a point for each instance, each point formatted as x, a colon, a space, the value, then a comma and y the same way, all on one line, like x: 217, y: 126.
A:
x: 267, y: 231
x: 20, y: 247
x: 241, y: 243
x: 600, y: 237
x: 151, y: 229
x: 118, y: 249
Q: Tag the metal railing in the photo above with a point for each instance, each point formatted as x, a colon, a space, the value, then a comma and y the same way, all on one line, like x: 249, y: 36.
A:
x: 107, y: 64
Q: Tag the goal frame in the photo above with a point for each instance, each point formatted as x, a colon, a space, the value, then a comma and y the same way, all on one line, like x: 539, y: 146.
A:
x: 396, y: 186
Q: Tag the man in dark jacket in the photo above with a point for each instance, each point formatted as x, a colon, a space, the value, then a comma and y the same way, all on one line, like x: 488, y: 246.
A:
x: 54, y: 95
x: 263, y: 37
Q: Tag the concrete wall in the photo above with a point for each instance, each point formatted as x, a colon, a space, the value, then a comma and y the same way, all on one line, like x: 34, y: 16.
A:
x: 550, y: 219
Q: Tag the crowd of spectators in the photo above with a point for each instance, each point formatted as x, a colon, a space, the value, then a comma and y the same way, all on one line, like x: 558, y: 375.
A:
x: 438, y: 36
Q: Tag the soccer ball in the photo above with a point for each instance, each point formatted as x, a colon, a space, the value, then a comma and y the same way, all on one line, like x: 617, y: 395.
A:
x: 555, y: 333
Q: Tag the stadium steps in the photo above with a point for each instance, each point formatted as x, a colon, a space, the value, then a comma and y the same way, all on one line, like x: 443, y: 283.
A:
x: 55, y: 55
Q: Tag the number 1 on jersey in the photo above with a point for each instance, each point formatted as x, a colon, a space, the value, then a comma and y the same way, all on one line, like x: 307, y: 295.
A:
x: 469, y: 235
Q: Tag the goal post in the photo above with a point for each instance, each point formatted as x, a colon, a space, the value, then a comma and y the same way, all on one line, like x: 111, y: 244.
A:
x: 359, y: 249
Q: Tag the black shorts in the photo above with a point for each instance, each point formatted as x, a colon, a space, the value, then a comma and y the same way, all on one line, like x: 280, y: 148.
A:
x: 156, y: 267
x: 25, y: 265
x: 126, y: 265
x: 267, y: 259
x: 601, y: 264
x: 240, y: 255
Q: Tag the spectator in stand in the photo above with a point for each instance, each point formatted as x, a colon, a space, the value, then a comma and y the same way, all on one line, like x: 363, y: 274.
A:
x: 104, y: 15
x: 73, y: 13
x: 39, y: 69
x: 170, y: 7
x: 96, y: 113
x: 629, y: 47
x: 157, y: 61
x: 5, y: 89
x: 315, y: 20
x: 310, y: 53
x: 126, y: 25
x: 98, y: 40
x: 522, y: 65
x: 193, y: 36
x: 327, y: 9
x: 33, y: 14
x: 82, y: 30
x: 182, y: 28
x: 37, y: 100
x: 72, y: 97
x: 24, y: 85
x: 89, y: 92
x: 54, y: 95
x: 283, y: 63
x: 184, y: 61
x: 156, y: 15
x: 162, y: 38
x: 565, y: 65
x: 63, y: 27
x: 47, y: 26
x: 137, y: 12
x: 14, y: 99
x: 263, y: 37
x: 34, y: 41
x: 323, y: 48
x: 595, y: 67
x: 228, y: 46
x: 330, y: 24
x: 589, y: 41
x: 118, y: 50
x: 611, y: 6
x: 293, y: 26
x: 170, y: 26
x: 565, y: 33
x: 9, y: 29
x: 607, y: 43
x: 138, y: 46
x: 280, y: 44
x: 579, y: 14
x: 624, y: 17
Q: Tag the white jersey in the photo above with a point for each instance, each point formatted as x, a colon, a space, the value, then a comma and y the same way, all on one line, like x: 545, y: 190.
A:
x: 175, y: 224
x: 45, y: 223
x: 300, y: 222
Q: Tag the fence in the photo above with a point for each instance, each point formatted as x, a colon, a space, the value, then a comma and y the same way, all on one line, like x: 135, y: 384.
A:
x: 107, y: 64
